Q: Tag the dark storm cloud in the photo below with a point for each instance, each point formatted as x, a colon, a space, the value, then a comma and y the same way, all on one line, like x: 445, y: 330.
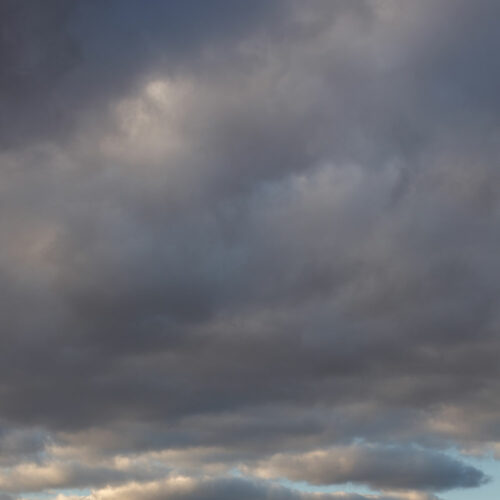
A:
x: 34, y: 54
x: 251, y: 227
x: 58, y: 58
x: 63, y: 62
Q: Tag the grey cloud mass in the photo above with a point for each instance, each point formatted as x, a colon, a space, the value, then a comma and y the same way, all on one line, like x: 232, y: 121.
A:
x: 242, y: 238
x: 389, y: 467
x: 182, y: 488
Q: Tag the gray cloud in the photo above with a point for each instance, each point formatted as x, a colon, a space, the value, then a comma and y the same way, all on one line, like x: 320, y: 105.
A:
x: 181, y: 488
x: 60, y: 59
x: 256, y: 228
x: 379, y: 467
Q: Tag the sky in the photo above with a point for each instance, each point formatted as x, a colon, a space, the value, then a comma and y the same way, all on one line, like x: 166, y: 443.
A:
x: 250, y: 250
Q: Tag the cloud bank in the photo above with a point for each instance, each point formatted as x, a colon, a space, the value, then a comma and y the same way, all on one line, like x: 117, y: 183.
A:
x: 248, y: 236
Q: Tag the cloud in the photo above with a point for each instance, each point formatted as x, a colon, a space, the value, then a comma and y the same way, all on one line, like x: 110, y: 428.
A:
x: 183, y: 488
x: 30, y: 477
x: 254, y: 230
x: 61, y: 60
x: 379, y: 467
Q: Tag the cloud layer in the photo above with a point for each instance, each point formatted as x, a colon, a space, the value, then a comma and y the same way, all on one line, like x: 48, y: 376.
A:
x: 256, y: 236
x: 381, y: 468
x: 182, y: 488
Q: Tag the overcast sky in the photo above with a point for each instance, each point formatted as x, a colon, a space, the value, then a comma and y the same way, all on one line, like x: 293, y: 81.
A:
x: 249, y: 249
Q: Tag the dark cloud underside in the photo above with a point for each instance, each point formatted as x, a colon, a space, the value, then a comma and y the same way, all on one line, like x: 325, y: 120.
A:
x: 248, y: 236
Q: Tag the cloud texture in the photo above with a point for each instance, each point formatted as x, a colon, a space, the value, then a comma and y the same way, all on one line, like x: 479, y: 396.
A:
x: 248, y: 236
